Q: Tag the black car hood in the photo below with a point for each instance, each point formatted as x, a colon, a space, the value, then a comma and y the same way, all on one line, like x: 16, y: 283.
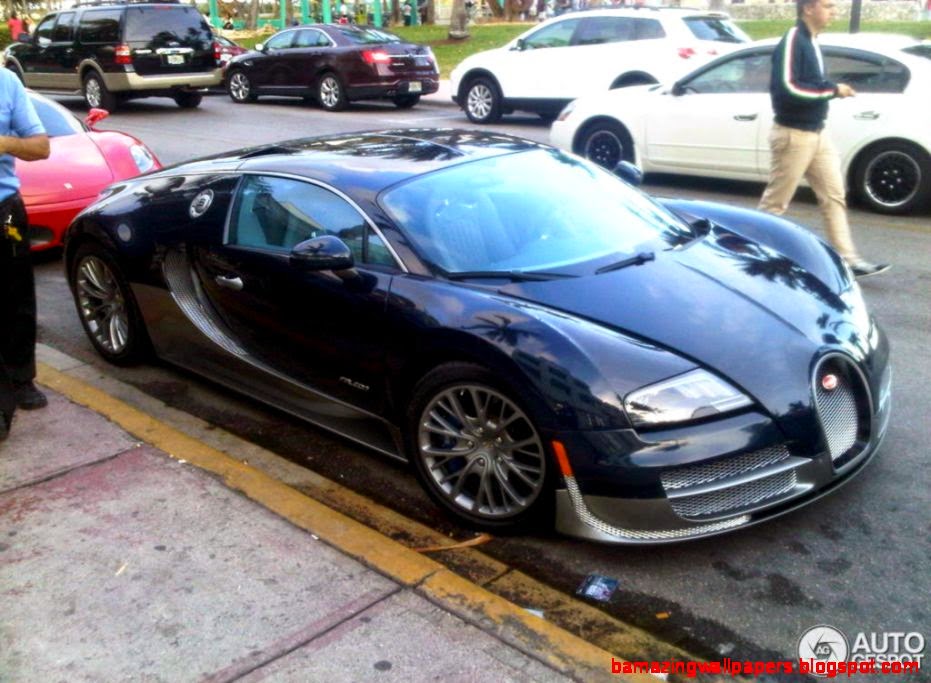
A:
x: 727, y: 303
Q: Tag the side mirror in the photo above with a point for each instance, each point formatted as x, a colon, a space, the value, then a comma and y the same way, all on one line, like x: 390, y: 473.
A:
x: 629, y: 173
x: 678, y: 89
x: 519, y: 45
x: 260, y: 47
x: 94, y: 116
x: 322, y: 253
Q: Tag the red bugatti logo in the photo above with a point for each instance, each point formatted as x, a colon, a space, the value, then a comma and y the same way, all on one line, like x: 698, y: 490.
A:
x: 829, y: 382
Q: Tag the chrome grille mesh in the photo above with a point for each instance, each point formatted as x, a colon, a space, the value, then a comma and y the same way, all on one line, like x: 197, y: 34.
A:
x: 839, y: 415
x: 696, y: 475
x: 735, y: 497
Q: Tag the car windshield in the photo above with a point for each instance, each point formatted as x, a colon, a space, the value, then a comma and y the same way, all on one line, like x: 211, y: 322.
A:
x: 525, y: 212
x: 365, y: 36
x: 56, y: 121
x: 922, y: 50
x: 711, y: 28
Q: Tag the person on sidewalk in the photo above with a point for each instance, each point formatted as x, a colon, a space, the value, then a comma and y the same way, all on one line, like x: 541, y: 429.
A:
x: 799, y: 144
x: 21, y: 136
x: 15, y: 24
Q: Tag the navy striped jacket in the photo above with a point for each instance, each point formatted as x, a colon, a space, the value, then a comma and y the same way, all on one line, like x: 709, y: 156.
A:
x: 797, y: 85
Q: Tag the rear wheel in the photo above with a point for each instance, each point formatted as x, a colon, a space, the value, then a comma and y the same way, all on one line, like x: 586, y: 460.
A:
x: 188, y: 100
x: 96, y: 94
x: 330, y: 93
x: 106, y: 306
x: 606, y: 143
x: 406, y: 101
x: 239, y: 87
x: 482, y: 101
x: 893, y: 177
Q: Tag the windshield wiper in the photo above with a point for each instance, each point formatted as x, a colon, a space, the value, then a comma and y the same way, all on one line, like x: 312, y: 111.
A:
x: 635, y: 260
x: 516, y: 275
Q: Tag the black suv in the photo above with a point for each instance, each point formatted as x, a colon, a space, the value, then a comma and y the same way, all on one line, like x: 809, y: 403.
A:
x: 116, y: 51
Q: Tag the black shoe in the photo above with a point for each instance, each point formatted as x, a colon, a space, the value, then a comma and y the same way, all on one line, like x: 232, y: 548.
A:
x: 28, y: 397
x: 863, y: 269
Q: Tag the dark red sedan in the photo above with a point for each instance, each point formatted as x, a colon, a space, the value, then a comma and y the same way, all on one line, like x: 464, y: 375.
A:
x: 83, y: 161
x: 334, y: 64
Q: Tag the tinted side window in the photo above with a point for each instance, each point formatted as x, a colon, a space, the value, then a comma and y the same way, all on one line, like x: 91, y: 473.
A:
x: 64, y: 29
x: 44, y: 29
x: 164, y: 24
x: 648, y: 29
x: 311, y: 38
x: 100, y: 26
x: 597, y: 30
x: 554, y: 35
x: 280, y: 41
x: 748, y: 74
x: 866, y: 74
x: 711, y: 28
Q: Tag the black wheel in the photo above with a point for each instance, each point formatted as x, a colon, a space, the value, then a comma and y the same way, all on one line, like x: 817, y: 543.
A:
x: 239, y: 87
x: 188, y: 100
x: 406, y: 101
x: 482, y: 101
x: 330, y: 93
x: 893, y: 177
x: 15, y: 69
x: 606, y: 143
x: 477, y: 449
x: 96, y: 93
x: 106, y: 306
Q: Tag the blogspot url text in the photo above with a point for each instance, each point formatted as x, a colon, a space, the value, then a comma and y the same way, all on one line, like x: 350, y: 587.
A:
x: 827, y: 669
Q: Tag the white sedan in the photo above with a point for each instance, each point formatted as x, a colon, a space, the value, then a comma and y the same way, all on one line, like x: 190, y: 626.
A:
x: 715, y: 121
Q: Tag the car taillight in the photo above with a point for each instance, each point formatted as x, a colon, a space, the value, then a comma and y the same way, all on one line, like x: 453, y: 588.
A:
x: 123, y: 54
x: 217, y: 52
x: 376, y: 57
x: 686, y: 52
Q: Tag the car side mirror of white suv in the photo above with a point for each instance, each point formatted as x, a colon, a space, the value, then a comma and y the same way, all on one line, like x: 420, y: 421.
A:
x: 519, y: 45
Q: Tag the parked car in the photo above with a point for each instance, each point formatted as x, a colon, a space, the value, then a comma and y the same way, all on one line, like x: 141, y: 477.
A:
x: 228, y: 50
x: 115, y: 52
x: 715, y: 121
x: 334, y: 64
x: 83, y: 161
x: 546, y: 67
x: 531, y: 333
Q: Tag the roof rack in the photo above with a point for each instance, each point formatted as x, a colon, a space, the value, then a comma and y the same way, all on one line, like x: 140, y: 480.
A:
x: 99, y: 3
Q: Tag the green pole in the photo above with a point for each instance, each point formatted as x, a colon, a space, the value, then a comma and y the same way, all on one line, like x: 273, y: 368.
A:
x: 283, y: 13
x: 305, y: 11
x: 376, y: 13
x: 327, y: 12
x: 415, y: 12
x: 215, y: 14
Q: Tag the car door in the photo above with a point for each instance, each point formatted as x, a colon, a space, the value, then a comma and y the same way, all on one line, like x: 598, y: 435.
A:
x: 305, y: 56
x: 711, y: 122
x: 271, y: 71
x: 540, y: 65
x: 62, y: 59
x: 37, y: 61
x: 320, y: 328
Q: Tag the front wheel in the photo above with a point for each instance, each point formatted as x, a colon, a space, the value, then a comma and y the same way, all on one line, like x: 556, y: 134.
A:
x: 188, y: 100
x: 239, y: 88
x: 96, y: 94
x: 406, y: 101
x: 330, y: 93
x: 106, y: 306
x: 476, y: 449
x: 483, y: 101
x: 893, y: 177
x: 605, y: 143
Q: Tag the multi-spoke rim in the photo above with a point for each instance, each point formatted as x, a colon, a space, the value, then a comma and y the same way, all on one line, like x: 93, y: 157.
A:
x: 605, y: 148
x: 101, y: 304
x: 92, y: 92
x: 239, y: 86
x: 329, y: 92
x: 892, y: 178
x: 481, y: 451
x: 480, y: 100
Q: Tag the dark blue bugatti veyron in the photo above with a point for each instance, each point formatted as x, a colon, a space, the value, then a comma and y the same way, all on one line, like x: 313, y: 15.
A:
x: 539, y: 339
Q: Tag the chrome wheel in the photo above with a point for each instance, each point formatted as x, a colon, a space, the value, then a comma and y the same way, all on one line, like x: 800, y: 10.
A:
x: 101, y: 305
x: 330, y: 92
x: 92, y: 92
x: 239, y: 87
x: 892, y: 178
x: 480, y: 101
x: 604, y: 147
x: 481, y: 453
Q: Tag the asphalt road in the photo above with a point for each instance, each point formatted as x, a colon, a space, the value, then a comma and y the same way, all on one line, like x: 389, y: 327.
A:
x: 859, y: 560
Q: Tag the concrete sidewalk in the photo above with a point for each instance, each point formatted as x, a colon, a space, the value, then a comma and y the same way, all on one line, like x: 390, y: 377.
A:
x: 156, y: 561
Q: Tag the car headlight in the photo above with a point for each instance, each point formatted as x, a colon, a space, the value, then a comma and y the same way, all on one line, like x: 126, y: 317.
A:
x: 691, y: 396
x: 143, y: 158
x: 564, y: 114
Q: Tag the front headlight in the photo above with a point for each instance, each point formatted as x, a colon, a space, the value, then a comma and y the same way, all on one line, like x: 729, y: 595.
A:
x: 691, y: 396
x: 143, y: 158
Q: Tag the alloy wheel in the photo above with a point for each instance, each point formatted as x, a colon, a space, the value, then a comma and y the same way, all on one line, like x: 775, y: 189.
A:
x: 101, y: 304
x: 892, y: 178
x: 481, y: 452
x: 92, y: 92
x: 329, y: 92
x: 239, y: 86
x: 480, y: 101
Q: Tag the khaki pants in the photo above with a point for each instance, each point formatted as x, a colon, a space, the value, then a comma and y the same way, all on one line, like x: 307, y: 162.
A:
x: 801, y: 153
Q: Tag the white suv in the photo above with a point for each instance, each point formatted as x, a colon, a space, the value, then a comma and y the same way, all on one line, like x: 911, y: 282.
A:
x: 550, y: 65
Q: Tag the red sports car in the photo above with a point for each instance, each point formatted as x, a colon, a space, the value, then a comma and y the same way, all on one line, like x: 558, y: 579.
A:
x: 83, y: 162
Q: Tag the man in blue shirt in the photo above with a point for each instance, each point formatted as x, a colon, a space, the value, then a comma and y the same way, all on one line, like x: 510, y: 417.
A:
x: 23, y: 137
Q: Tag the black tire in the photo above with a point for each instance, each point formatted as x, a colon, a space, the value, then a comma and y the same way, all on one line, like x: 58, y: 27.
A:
x: 330, y: 92
x: 106, y: 306
x: 628, y: 80
x: 239, y: 87
x: 893, y: 177
x: 188, y: 100
x: 19, y: 74
x: 96, y: 93
x: 498, y: 488
x: 482, y: 100
x: 606, y: 143
x: 406, y: 101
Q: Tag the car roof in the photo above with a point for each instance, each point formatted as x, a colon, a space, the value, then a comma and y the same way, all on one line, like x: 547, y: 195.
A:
x: 889, y: 44
x: 661, y: 12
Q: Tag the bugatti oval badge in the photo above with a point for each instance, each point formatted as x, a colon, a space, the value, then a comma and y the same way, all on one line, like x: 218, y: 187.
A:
x: 829, y: 382
x: 201, y: 203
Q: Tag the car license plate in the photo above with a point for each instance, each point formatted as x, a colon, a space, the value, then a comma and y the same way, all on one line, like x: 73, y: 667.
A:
x: 175, y: 59
x: 414, y: 86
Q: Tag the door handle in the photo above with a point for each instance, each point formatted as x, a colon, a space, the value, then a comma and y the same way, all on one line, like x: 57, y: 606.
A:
x: 867, y: 115
x: 745, y: 117
x: 234, y: 283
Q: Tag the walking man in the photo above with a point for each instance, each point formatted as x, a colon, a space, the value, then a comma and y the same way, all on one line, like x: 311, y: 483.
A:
x: 21, y: 136
x: 799, y: 144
